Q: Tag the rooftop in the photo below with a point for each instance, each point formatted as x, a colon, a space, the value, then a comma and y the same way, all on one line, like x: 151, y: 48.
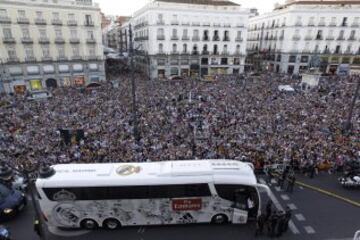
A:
x: 202, y: 2
x: 317, y: 2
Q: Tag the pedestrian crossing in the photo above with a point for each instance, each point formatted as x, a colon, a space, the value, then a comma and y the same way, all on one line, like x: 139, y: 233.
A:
x: 298, y: 218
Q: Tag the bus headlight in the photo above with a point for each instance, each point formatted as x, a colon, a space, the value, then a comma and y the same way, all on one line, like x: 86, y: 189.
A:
x: 8, y: 210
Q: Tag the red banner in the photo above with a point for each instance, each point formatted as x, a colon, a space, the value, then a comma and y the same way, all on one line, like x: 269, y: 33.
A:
x: 187, y: 204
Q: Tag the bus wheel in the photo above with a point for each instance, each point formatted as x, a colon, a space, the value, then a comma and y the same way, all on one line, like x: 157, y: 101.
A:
x: 89, y: 224
x: 219, y: 219
x: 111, y: 224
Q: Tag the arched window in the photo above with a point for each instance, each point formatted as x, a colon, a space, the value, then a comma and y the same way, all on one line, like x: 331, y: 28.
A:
x: 160, y: 32
x: 174, y: 48
x: 161, y: 48
x: 225, y: 49
x: 184, y: 48
x: 215, y: 49
x: 205, y: 49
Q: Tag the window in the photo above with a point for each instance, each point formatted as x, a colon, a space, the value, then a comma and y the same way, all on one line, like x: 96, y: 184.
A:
x: 184, y: 48
x: 58, y: 33
x: 304, y: 59
x: 11, y: 52
x: 238, y: 48
x: 338, y: 49
x: 224, y: 61
x: 21, y: 13
x: 88, y: 20
x: 161, y: 48
x: 174, y: 48
x: 90, y: 34
x: 71, y: 16
x: 344, y: 22
x: 46, y: 52
x: 42, y: 32
x: 160, y: 32
x: 225, y: 48
x: 160, y: 17
x: 29, y: 52
x: 61, y: 51
x: 92, y: 51
x: 319, y: 35
x: 206, y: 35
x: 352, y: 34
x: 3, y: 13
x: 25, y: 32
x: 174, y: 32
x: 7, y: 33
x: 56, y: 15
x: 333, y: 20
x: 39, y: 14
x: 238, y: 34
x: 196, y: 33
x: 133, y: 192
x: 215, y: 49
x: 292, y: 59
x: 237, y: 193
x: 185, y: 32
x: 76, y: 51
x: 73, y: 33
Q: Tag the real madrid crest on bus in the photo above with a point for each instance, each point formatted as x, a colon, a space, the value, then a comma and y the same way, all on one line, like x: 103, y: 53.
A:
x: 126, y: 170
x: 64, y: 195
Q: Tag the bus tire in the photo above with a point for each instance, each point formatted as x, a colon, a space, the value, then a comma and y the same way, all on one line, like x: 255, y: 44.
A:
x: 89, y: 224
x: 219, y: 219
x: 111, y: 224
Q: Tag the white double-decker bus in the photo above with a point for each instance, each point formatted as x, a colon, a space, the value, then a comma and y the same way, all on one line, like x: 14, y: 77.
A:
x: 157, y: 193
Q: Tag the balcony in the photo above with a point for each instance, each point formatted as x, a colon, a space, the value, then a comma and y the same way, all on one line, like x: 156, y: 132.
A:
x: 311, y: 24
x: 340, y: 38
x: 174, y: 22
x: 72, y: 23
x: 185, y: 23
x: 196, y: 38
x: 40, y: 21
x: 216, y: 25
x: 13, y: 60
x: 59, y: 40
x: 352, y: 38
x: 319, y: 38
x: 205, y: 39
x: 215, y: 53
x: 74, y: 40
x: 91, y: 41
x: 27, y: 40
x: 226, y: 39
x: 5, y: 19
x: 205, y: 52
x: 44, y: 40
x: 93, y: 58
x: 76, y: 58
x: 184, y: 53
x: 174, y: 53
x: 355, y: 25
x: 321, y: 24
x: 9, y: 40
x: 239, y: 25
x: 239, y: 39
x: 23, y: 21
x: 185, y: 38
x: 161, y: 37
x: 298, y: 24
x: 57, y: 22
x: 308, y: 38
x: 332, y: 24
x: 330, y: 38
x: 89, y: 24
x: 225, y: 53
x: 296, y: 38
x: 143, y: 38
x: 197, y: 24
x: 47, y: 59
x: 174, y: 38
x: 326, y: 51
x: 30, y: 59
x: 62, y: 58
x: 216, y: 38
x: 160, y: 22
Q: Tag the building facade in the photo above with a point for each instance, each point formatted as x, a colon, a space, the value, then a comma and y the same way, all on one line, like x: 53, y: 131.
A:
x: 49, y: 43
x: 190, y: 37
x: 302, y: 34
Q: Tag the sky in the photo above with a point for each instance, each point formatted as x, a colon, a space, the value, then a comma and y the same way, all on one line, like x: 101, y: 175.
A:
x: 127, y: 7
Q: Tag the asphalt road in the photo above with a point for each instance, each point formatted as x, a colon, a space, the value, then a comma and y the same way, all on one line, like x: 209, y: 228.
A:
x: 316, y: 216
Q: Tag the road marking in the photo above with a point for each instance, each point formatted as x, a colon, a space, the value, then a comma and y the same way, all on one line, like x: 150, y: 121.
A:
x: 277, y: 204
x: 141, y: 230
x: 285, y: 197
x: 355, y: 203
x: 292, y: 206
x: 309, y: 230
x: 300, y: 217
x: 278, y: 189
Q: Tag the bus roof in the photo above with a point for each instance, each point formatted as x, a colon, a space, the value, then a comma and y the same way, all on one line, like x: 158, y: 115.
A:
x: 152, y: 173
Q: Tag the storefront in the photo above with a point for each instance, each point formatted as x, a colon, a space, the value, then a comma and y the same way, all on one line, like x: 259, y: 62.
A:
x: 19, y: 86
x: 66, y: 81
x: 185, y: 72
x: 79, y: 81
x: 36, y: 84
x: 161, y: 73
x: 218, y: 71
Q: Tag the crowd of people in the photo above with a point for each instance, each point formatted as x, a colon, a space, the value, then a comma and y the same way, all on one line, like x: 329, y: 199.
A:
x: 234, y: 118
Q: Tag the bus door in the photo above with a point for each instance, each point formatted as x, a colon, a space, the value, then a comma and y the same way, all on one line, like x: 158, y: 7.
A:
x: 240, y: 214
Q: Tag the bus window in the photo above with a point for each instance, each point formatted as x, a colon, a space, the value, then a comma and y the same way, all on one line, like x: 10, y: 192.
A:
x: 243, y: 197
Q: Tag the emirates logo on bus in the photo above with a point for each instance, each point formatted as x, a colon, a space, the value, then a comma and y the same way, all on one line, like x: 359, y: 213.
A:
x: 126, y: 170
x: 187, y: 204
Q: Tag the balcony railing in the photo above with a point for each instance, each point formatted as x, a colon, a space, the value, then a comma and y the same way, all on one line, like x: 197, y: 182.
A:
x: 226, y: 39
x: 59, y: 40
x: 330, y: 38
x: 90, y: 41
x: 215, y: 53
x: 27, y: 40
x: 216, y: 38
x: 298, y: 24
x: 216, y: 25
x: 161, y: 37
x: 13, y: 60
x: 352, y: 38
x: 74, y: 40
x: 321, y: 24
x: 47, y: 59
x: 76, y: 58
x: 240, y: 25
x: 9, y: 40
x: 184, y: 53
x: 30, y: 59
x: 185, y: 38
x: 44, y: 40
x: 174, y: 22
x: 40, y: 21
x: 340, y: 38
x: 174, y: 38
x: 174, y: 53
x: 195, y: 24
x: 355, y: 25
x: 195, y: 52
x: 311, y: 24
x: 160, y: 22
x: 326, y: 51
x: 72, y: 23
x: 57, y: 22
x: 319, y: 38
x: 308, y: 38
x: 185, y: 23
x: 23, y: 21
x: 332, y: 24
x: 239, y: 39
x: 89, y: 24
x: 206, y: 39
x: 93, y: 57
x: 62, y: 58
x: 225, y: 53
x: 296, y: 38
x: 5, y: 19
x: 205, y: 52
x: 196, y: 38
